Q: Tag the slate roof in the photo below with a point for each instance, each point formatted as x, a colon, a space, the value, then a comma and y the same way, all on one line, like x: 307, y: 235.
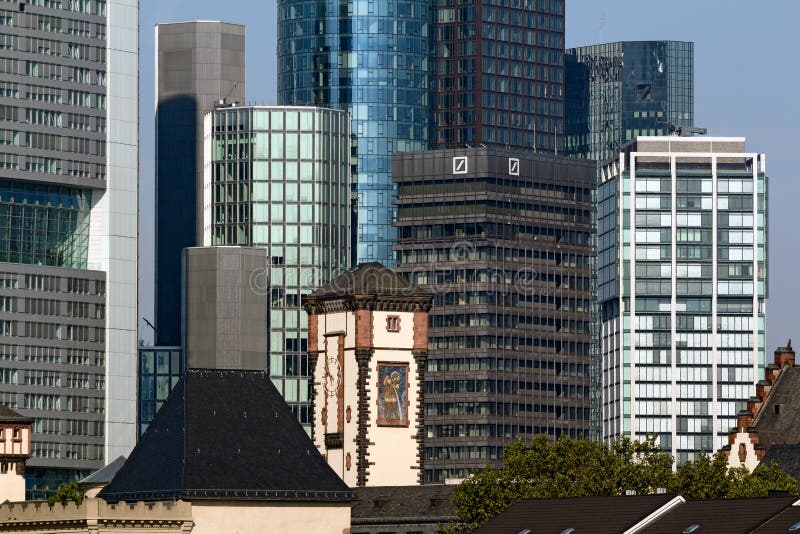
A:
x: 781, y: 522
x: 105, y: 474
x: 725, y: 516
x: 225, y: 434
x: 783, y: 427
x: 404, y: 504
x: 370, y: 279
x: 7, y: 415
x: 587, y: 515
x: 787, y: 456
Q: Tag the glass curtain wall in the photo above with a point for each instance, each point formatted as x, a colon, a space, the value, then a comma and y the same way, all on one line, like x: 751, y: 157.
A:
x: 279, y: 178
x: 371, y: 59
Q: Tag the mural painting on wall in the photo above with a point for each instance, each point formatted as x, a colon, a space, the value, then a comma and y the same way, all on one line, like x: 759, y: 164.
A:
x: 392, y: 394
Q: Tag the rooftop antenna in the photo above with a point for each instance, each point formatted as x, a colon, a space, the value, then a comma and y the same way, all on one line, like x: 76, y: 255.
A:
x: 602, y: 26
x: 684, y: 131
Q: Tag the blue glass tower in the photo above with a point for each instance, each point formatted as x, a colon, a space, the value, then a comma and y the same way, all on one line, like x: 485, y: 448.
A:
x: 371, y: 59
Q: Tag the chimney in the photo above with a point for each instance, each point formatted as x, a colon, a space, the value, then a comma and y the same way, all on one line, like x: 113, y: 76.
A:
x: 784, y: 356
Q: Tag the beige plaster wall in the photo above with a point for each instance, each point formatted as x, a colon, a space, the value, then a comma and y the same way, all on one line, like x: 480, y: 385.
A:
x: 12, y: 485
x: 751, y: 461
x: 214, y: 517
x: 396, y: 340
x: 394, y: 452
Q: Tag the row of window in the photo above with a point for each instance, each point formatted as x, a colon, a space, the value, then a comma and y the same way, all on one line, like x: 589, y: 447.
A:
x: 53, y: 48
x: 40, y: 354
x: 36, y: 330
x: 44, y: 141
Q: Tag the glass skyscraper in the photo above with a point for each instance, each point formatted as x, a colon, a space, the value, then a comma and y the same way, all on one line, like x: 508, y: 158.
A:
x: 279, y: 177
x: 69, y: 112
x: 504, y: 239
x: 499, y: 76
x: 682, y: 285
x: 371, y: 59
x: 616, y: 92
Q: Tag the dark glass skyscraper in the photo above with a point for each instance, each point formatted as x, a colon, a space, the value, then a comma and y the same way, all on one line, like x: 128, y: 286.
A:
x: 503, y: 238
x: 616, y: 92
x: 197, y: 64
x: 371, y: 59
x: 499, y: 73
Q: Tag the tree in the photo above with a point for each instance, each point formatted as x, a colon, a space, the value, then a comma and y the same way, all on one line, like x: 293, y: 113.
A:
x: 764, y: 478
x: 69, y: 492
x: 706, y: 477
x: 577, y: 468
x: 566, y: 468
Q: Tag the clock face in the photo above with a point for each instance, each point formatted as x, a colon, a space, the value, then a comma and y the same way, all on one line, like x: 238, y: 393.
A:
x: 333, y: 376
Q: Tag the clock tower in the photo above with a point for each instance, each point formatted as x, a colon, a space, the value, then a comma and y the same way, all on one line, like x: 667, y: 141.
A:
x: 367, y: 346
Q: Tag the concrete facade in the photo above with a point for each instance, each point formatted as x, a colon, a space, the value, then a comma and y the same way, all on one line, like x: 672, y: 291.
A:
x: 197, y: 65
x: 225, y: 312
x: 504, y: 239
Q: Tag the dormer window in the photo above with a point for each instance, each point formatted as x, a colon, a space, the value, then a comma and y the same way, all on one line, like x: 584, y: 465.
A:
x: 17, y: 435
x: 393, y: 323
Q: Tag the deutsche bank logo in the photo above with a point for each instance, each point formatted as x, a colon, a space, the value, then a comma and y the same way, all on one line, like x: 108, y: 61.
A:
x: 460, y: 165
x: 513, y: 166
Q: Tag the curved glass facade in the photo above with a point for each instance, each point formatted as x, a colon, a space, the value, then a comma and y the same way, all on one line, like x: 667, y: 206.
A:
x: 279, y: 178
x: 371, y: 59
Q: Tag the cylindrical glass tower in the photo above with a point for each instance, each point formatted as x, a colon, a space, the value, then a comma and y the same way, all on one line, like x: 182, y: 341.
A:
x: 371, y: 59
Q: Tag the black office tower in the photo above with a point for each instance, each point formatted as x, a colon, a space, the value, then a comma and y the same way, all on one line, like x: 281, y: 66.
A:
x: 504, y: 238
x: 197, y: 65
x: 499, y: 74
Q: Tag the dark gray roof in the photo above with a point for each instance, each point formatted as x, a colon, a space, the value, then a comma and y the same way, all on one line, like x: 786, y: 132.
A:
x: 225, y: 434
x: 784, y: 426
x: 7, y: 415
x: 369, y: 279
x: 404, y: 504
x: 787, y: 456
x: 104, y: 475
x: 781, y: 522
x: 722, y: 516
x: 587, y: 515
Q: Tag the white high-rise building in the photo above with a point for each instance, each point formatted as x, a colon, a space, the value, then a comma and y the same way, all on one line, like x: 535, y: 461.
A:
x: 69, y: 108
x: 682, y: 285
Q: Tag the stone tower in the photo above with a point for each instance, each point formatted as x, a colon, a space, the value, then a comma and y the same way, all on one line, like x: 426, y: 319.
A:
x: 367, y: 345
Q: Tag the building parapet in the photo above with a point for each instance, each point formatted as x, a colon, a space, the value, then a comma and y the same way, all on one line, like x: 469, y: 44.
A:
x: 96, y: 511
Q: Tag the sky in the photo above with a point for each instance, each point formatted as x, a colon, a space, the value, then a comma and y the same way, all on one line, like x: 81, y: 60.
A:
x: 743, y: 87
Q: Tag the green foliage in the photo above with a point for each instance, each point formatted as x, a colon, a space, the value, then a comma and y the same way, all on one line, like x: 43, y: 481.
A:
x: 66, y: 493
x: 566, y: 468
x: 705, y: 478
x: 576, y: 468
x: 763, y: 479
